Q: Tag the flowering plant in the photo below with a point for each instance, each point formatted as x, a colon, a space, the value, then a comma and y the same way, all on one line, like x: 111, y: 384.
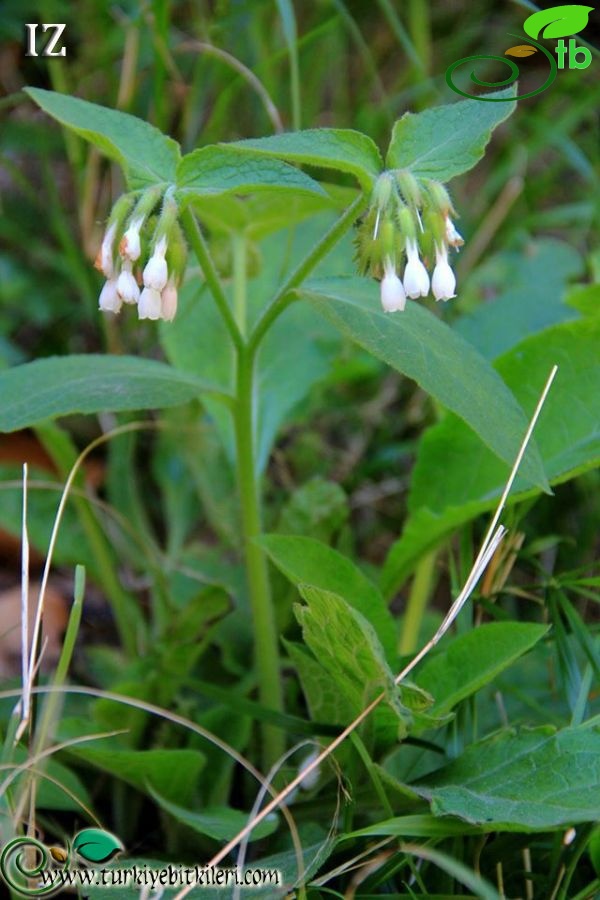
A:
x: 203, y: 246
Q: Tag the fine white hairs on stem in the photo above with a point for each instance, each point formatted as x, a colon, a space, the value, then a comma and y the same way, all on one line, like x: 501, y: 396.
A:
x: 490, y: 543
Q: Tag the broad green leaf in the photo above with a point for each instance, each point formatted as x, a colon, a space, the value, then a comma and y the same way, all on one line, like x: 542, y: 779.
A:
x: 221, y: 823
x: 558, y: 21
x: 346, y: 646
x: 147, y: 156
x: 329, y: 148
x: 173, y: 773
x: 266, y: 211
x: 523, y: 295
x: 444, y: 494
x: 326, y: 703
x: 90, y: 383
x: 419, y: 345
x: 308, y: 562
x: 522, y: 780
x: 474, y: 659
x: 227, y: 170
x: 96, y: 845
x: 446, y: 141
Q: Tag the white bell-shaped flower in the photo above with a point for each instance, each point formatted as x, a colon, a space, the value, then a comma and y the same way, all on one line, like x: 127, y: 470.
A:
x: 416, y: 279
x: 169, y: 300
x: 443, y: 282
x: 127, y: 286
x: 109, y: 300
x: 150, y: 305
x: 155, y: 273
x: 393, y: 297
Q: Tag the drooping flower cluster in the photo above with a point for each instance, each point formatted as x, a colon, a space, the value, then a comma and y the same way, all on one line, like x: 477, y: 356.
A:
x: 408, y: 226
x: 132, y: 237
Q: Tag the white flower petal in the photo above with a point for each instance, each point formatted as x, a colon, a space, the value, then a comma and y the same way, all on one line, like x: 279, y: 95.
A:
x: 393, y: 297
x: 109, y: 300
x: 149, y: 306
x: 416, y: 279
x: 156, y: 274
x: 443, y: 283
x: 127, y: 286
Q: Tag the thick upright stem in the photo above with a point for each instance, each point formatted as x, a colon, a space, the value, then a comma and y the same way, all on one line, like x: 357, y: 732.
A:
x: 266, y: 649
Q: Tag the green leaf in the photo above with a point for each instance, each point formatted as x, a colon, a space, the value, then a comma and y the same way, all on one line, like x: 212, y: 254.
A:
x: 418, y: 344
x: 221, y: 823
x: 445, y: 495
x: 329, y: 148
x: 326, y: 703
x: 173, y: 773
x: 225, y: 170
x: 96, y: 845
x: 90, y: 383
x: 346, y: 646
x: 446, y: 141
x: 525, y: 780
x: 558, y: 21
x: 474, y: 659
x: 147, y: 156
x: 308, y: 562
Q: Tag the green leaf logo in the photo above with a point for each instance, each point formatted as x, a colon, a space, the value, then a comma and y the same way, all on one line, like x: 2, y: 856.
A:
x: 520, y: 50
x: 557, y: 22
x: 96, y: 845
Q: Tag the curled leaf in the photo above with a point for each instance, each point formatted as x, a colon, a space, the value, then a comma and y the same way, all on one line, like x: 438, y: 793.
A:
x: 96, y: 845
x: 520, y: 50
x: 557, y: 22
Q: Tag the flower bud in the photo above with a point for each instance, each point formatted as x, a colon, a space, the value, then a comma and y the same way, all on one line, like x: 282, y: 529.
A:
x: 150, y: 305
x: 411, y: 190
x: 169, y: 300
x: 104, y: 261
x: 453, y: 237
x: 130, y: 242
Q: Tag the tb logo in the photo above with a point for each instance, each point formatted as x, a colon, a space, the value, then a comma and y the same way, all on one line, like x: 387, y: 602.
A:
x: 53, y: 39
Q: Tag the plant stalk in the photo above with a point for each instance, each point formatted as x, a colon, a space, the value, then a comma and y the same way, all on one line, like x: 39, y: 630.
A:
x: 266, y: 650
